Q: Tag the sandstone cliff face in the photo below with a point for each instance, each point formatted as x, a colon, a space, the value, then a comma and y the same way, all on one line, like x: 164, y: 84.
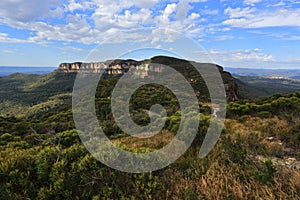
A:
x: 94, y: 68
x: 231, y: 89
x: 143, y: 69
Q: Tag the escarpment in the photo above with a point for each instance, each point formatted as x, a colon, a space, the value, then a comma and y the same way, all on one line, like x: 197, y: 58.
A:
x: 148, y: 68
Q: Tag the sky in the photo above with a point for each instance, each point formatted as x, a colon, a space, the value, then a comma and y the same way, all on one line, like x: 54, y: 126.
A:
x: 231, y: 33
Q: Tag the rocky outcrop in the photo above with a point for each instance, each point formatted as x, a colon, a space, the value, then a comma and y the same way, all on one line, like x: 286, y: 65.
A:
x: 231, y: 89
x: 94, y: 68
x: 114, y: 68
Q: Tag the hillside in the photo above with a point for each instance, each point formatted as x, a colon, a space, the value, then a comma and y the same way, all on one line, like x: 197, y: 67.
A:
x: 148, y: 68
x: 42, y: 157
x: 251, y: 87
x: 257, y: 156
x: 23, y: 90
x: 265, y: 72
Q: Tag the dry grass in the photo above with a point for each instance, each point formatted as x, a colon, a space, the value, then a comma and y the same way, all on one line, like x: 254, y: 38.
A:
x: 263, y: 127
x: 211, y: 178
x: 153, y: 143
x: 229, y: 182
x: 274, y: 134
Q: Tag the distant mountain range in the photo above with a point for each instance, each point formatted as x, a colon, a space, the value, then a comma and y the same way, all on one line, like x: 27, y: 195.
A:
x: 284, y: 73
x: 28, y: 90
x: 240, y: 83
x: 254, y: 83
x: 8, y: 70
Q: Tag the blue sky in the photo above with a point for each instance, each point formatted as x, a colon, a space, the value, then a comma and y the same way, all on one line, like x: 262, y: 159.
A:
x: 245, y: 33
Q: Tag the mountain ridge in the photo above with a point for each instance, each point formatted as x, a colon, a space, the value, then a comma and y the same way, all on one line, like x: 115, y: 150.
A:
x: 145, y: 69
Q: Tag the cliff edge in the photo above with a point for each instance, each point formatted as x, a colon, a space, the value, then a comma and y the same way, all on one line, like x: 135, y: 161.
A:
x: 149, y: 67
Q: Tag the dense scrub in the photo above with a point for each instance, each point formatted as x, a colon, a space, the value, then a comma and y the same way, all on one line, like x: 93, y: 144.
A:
x: 41, y: 155
x: 67, y: 171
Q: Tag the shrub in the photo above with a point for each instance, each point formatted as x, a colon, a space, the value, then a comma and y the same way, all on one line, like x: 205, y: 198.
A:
x: 264, y: 114
x: 274, y: 149
x: 5, y: 138
x: 267, y: 175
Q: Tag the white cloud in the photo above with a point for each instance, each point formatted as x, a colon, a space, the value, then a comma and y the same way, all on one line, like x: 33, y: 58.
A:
x: 170, y: 9
x: 74, y: 6
x: 278, y: 18
x: 76, y: 49
x: 255, y: 55
x: 76, y: 30
x: 279, y: 4
x: 27, y: 10
x: 242, y: 22
x: 163, y: 19
x: 163, y: 35
x: 239, y: 12
x: 187, y: 25
x: 197, y: 1
x: 9, y: 51
x: 107, y: 18
x: 182, y: 9
x: 224, y: 37
x: 209, y: 12
x: 251, y: 2
x: 5, y: 39
x: 129, y: 19
x: 108, y: 14
x: 143, y: 16
x: 145, y: 3
x: 294, y: 37
x: 194, y: 16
